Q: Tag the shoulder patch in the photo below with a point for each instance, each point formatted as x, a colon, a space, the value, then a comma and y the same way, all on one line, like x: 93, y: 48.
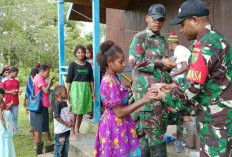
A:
x: 198, y: 70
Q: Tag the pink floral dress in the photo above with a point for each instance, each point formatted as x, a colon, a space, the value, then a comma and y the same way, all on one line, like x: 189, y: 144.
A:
x: 116, y: 137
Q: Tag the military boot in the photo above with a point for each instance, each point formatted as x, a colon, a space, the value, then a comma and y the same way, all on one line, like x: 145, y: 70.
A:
x: 159, y: 150
x: 39, y: 148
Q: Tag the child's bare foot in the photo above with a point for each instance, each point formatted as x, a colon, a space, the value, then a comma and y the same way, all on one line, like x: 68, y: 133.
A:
x: 80, y: 134
x: 74, y: 138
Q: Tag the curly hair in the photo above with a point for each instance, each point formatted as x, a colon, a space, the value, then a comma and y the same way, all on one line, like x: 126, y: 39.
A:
x: 107, y: 49
x: 77, y: 48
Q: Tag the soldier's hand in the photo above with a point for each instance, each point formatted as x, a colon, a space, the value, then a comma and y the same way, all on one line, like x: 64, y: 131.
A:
x: 166, y: 88
x: 151, y: 95
x: 159, y: 95
x: 167, y: 64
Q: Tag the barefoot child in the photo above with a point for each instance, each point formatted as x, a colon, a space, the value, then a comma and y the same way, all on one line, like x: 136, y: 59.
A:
x: 62, y: 122
x: 6, y: 135
x: 116, y: 135
x: 80, y: 90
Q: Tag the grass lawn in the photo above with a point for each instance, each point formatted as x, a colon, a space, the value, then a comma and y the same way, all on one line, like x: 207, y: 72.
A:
x: 24, y: 144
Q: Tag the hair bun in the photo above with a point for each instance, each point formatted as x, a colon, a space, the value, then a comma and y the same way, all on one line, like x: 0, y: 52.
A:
x: 106, y: 46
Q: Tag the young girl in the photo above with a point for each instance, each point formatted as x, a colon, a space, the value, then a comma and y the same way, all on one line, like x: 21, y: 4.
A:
x: 89, y: 54
x: 12, y: 89
x: 6, y: 135
x: 80, y: 90
x: 116, y: 135
x: 5, y: 72
x: 41, y: 118
x: 62, y: 122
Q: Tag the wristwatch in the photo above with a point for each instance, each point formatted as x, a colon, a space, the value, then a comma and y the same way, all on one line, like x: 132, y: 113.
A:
x: 160, y: 64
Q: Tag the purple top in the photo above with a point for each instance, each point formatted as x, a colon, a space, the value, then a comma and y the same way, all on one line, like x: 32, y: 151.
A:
x: 116, y: 137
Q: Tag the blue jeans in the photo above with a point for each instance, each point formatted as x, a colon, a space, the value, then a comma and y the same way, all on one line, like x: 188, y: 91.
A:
x: 61, y: 144
x: 14, y: 112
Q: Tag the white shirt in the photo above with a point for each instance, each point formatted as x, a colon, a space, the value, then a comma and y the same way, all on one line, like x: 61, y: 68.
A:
x: 181, y: 54
x: 61, y: 110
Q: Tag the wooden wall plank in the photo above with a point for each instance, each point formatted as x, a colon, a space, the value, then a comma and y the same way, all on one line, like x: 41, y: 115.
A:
x: 217, y: 14
x: 134, y: 19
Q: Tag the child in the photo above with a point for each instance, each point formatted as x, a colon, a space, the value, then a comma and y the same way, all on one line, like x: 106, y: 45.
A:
x: 6, y: 136
x: 62, y: 123
x: 2, y: 94
x: 4, y: 73
x: 12, y: 89
x: 116, y: 135
x: 80, y: 90
x: 89, y: 54
x: 41, y: 118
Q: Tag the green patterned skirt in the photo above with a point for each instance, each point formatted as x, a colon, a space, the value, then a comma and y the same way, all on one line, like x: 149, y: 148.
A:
x: 81, y: 97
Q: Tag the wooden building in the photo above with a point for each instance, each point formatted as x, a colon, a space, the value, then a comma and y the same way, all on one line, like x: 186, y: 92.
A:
x: 122, y: 25
x: 124, y: 18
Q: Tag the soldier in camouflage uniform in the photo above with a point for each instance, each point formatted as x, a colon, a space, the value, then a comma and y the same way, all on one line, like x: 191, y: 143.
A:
x: 208, y: 82
x: 148, y: 50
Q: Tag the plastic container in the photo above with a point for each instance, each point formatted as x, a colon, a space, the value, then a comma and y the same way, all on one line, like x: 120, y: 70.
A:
x: 168, y: 139
x: 187, y: 133
x: 194, y: 154
x: 179, y: 146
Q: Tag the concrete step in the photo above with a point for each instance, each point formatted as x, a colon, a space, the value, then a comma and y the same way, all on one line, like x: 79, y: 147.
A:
x: 70, y: 154
x: 85, y: 147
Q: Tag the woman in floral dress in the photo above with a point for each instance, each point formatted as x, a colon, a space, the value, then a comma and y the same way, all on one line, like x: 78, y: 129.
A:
x: 116, y: 136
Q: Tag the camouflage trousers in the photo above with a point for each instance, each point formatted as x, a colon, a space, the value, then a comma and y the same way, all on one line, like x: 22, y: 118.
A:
x: 152, y: 127
x: 152, y: 151
x: 224, y: 149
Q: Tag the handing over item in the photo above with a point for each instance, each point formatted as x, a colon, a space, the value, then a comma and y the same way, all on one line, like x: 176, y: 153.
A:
x: 161, y: 89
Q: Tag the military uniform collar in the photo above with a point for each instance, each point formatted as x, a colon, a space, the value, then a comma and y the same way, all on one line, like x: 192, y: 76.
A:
x: 150, y: 33
x: 206, y: 30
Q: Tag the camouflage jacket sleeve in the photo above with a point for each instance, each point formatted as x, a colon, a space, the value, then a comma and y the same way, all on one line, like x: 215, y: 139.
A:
x: 137, y: 59
x: 174, y: 99
x: 209, y: 73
